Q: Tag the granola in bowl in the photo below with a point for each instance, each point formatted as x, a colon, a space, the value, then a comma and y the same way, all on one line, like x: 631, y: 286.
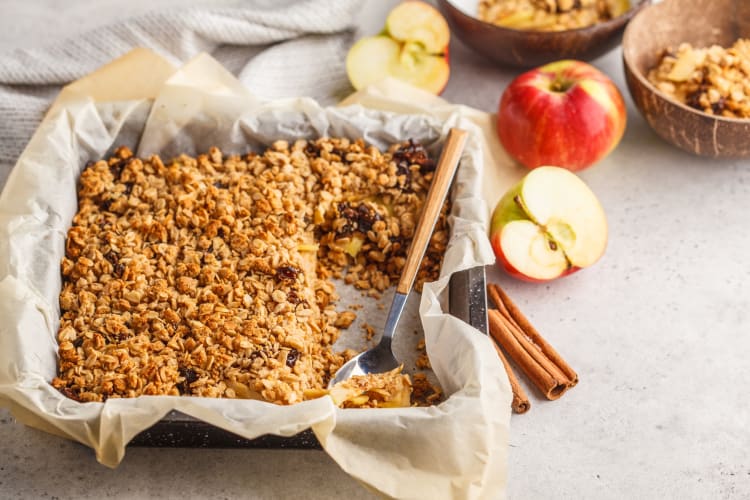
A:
x: 715, y: 80
x: 211, y: 276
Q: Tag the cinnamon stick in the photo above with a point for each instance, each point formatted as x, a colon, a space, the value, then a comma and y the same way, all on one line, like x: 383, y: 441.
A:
x: 536, y: 353
x: 512, y: 312
x: 494, y: 294
x: 520, y: 403
x: 539, y: 373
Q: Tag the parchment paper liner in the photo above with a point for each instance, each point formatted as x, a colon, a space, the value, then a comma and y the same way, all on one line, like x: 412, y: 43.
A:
x: 454, y: 450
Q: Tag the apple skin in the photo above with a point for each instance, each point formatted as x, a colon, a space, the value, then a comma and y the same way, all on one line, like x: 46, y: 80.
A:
x: 564, y: 113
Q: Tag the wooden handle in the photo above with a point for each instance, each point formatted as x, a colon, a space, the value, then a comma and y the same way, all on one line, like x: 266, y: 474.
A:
x: 441, y: 182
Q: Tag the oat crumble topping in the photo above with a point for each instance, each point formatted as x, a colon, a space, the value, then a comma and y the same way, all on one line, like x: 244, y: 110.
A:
x: 715, y: 80
x: 423, y: 361
x: 369, y: 331
x: 210, y: 276
x: 423, y: 391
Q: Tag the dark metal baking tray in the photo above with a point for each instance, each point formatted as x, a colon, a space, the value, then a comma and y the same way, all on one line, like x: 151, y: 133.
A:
x: 467, y: 301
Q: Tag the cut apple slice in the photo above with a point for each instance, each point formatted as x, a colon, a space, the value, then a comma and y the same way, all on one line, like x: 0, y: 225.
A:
x: 370, y: 59
x: 354, y: 245
x: 563, y: 204
x: 530, y: 251
x: 374, y: 58
x: 418, y: 22
x: 413, y: 48
x: 549, y: 225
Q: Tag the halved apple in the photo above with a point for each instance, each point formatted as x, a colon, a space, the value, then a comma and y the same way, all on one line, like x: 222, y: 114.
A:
x: 549, y: 225
x: 419, y: 23
x: 413, y: 47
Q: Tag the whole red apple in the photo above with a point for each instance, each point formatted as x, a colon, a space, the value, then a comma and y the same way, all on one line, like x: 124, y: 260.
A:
x: 565, y: 113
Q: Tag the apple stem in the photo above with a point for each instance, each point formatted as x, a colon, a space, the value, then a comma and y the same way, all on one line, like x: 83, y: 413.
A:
x: 560, y: 84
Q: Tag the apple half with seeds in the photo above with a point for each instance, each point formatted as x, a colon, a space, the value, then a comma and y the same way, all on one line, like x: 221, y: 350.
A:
x: 549, y: 225
x: 413, y: 47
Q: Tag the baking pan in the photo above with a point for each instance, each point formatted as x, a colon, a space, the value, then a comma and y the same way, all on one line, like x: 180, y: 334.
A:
x: 467, y: 301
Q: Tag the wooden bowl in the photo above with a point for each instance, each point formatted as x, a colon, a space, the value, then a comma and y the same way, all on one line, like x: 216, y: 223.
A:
x: 700, y: 23
x: 528, y: 49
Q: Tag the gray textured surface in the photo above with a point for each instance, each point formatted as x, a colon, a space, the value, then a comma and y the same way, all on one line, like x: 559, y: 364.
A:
x: 659, y: 332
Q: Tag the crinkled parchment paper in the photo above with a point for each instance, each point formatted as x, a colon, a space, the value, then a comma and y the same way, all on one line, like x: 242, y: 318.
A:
x: 456, y: 449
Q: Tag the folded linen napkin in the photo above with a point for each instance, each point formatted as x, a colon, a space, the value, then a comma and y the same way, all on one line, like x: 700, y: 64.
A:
x: 277, y: 48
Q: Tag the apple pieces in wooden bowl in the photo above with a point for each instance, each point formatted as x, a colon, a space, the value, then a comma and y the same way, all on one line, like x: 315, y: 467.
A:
x: 529, y: 33
x: 688, y: 71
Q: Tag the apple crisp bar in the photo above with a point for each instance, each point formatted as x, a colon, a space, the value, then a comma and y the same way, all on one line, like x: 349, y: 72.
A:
x: 211, y: 276
x: 715, y: 80
x: 550, y: 15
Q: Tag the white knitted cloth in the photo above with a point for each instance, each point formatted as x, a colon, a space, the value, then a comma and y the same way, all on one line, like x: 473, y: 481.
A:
x: 277, y: 48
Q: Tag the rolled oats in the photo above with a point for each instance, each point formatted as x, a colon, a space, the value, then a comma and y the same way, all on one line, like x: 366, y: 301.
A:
x: 208, y: 276
x: 345, y: 319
